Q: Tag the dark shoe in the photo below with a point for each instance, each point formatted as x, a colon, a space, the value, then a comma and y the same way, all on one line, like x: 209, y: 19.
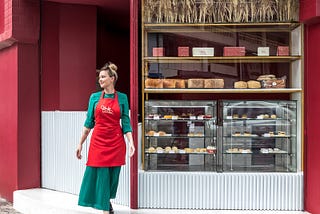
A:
x: 111, y: 209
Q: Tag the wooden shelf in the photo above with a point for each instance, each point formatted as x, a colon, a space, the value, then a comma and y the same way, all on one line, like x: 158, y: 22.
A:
x: 224, y: 59
x: 226, y: 91
x: 221, y: 27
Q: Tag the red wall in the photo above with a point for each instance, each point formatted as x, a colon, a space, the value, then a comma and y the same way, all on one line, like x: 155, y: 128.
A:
x: 310, y: 15
x: 68, y: 56
x: 8, y: 122
x: 312, y: 118
x: 19, y: 94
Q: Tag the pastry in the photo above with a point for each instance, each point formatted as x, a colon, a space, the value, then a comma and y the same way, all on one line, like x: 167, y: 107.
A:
x: 188, y: 150
x: 150, y: 133
x: 169, y: 83
x: 151, y: 150
x: 237, y: 134
x: 195, y: 83
x: 266, y: 116
x: 271, y: 133
x: 203, y: 150
x: 207, y: 116
x: 161, y: 133
x: 246, y: 133
x: 180, y: 83
x: 167, y: 148
x: 240, y: 84
x: 273, y: 116
x: 281, y: 133
x: 244, y: 116
x: 253, y: 84
x: 174, y: 148
x: 213, y: 83
x: 235, y: 116
x: 211, y: 149
x: 167, y: 116
x: 153, y: 83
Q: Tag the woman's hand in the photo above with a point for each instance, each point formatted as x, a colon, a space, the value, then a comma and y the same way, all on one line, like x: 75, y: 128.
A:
x: 78, y: 151
x: 131, y: 149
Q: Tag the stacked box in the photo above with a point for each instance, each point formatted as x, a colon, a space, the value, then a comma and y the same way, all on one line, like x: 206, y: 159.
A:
x: 202, y: 51
x: 263, y: 51
x: 183, y: 51
x: 283, y: 51
x: 157, y: 51
x: 234, y: 51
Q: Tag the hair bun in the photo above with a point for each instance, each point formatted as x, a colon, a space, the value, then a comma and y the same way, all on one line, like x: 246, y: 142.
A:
x: 113, y: 67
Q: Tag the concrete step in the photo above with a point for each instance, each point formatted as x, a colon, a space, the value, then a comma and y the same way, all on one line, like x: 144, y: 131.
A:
x: 40, y: 201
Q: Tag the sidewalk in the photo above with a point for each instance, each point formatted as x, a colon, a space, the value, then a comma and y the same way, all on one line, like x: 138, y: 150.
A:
x: 40, y: 201
x: 6, y: 207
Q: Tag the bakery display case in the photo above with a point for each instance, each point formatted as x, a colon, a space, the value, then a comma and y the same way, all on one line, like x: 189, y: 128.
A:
x: 218, y: 59
x: 180, y: 135
x: 259, y: 136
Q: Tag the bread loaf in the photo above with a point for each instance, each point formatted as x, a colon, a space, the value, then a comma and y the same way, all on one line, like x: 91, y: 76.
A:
x: 213, y: 83
x: 240, y: 84
x: 169, y: 83
x: 180, y: 83
x: 266, y: 77
x: 253, y: 84
x: 153, y: 83
x: 195, y: 83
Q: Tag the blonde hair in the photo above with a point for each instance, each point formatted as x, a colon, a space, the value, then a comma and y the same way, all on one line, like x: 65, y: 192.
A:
x: 111, y: 68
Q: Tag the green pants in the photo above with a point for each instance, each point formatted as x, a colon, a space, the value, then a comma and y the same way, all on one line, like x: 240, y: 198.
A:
x: 99, y: 185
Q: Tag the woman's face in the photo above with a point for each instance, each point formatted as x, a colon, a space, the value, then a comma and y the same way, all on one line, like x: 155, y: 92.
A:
x: 105, y: 80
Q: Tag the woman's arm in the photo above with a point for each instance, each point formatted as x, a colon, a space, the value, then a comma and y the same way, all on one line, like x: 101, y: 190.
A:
x: 131, y: 145
x: 84, y: 136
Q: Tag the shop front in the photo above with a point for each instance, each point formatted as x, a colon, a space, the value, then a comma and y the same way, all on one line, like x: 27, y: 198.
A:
x: 223, y: 99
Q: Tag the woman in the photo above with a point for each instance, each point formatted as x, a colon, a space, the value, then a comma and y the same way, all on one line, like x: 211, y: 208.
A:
x: 107, y: 145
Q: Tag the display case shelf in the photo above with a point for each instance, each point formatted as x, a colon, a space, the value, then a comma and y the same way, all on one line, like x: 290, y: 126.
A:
x: 223, y: 59
x: 227, y: 91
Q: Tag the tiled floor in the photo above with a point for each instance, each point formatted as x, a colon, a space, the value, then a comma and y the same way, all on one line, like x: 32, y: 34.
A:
x: 39, y: 201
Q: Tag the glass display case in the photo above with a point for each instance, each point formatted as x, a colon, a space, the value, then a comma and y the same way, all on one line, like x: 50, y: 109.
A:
x: 259, y: 136
x: 180, y: 135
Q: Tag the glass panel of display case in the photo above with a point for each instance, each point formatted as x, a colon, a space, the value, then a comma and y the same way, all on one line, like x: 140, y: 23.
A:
x: 180, y: 135
x: 259, y: 136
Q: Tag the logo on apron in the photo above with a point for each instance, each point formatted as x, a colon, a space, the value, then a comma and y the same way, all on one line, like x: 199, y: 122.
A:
x: 106, y: 110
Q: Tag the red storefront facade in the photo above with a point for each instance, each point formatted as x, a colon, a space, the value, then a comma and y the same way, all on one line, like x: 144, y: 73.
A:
x: 44, y: 68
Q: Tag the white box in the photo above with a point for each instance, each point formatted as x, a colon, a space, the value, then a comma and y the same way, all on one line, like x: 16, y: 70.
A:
x: 263, y: 51
x: 202, y: 51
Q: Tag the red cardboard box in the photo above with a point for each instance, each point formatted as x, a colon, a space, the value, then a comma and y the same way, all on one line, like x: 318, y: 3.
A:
x: 157, y: 51
x: 183, y: 51
x: 234, y: 51
x: 283, y: 51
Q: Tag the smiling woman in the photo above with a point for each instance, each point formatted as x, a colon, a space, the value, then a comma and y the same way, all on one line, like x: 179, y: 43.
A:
x: 107, y: 145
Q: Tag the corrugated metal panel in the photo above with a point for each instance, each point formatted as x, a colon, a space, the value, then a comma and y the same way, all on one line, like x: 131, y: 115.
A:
x: 245, y: 191
x: 60, y: 168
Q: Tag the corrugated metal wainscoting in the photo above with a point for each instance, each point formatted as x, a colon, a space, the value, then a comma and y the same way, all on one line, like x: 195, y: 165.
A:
x: 245, y: 191
x: 60, y: 169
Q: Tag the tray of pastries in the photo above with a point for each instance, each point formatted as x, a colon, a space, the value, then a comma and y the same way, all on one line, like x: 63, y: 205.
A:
x: 271, y: 150
x: 244, y: 134
x: 239, y: 151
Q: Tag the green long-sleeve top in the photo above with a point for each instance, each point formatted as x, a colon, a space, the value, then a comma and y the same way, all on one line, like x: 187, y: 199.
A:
x: 124, y: 108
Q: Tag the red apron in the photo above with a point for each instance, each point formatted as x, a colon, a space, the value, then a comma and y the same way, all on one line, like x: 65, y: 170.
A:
x: 107, y: 145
